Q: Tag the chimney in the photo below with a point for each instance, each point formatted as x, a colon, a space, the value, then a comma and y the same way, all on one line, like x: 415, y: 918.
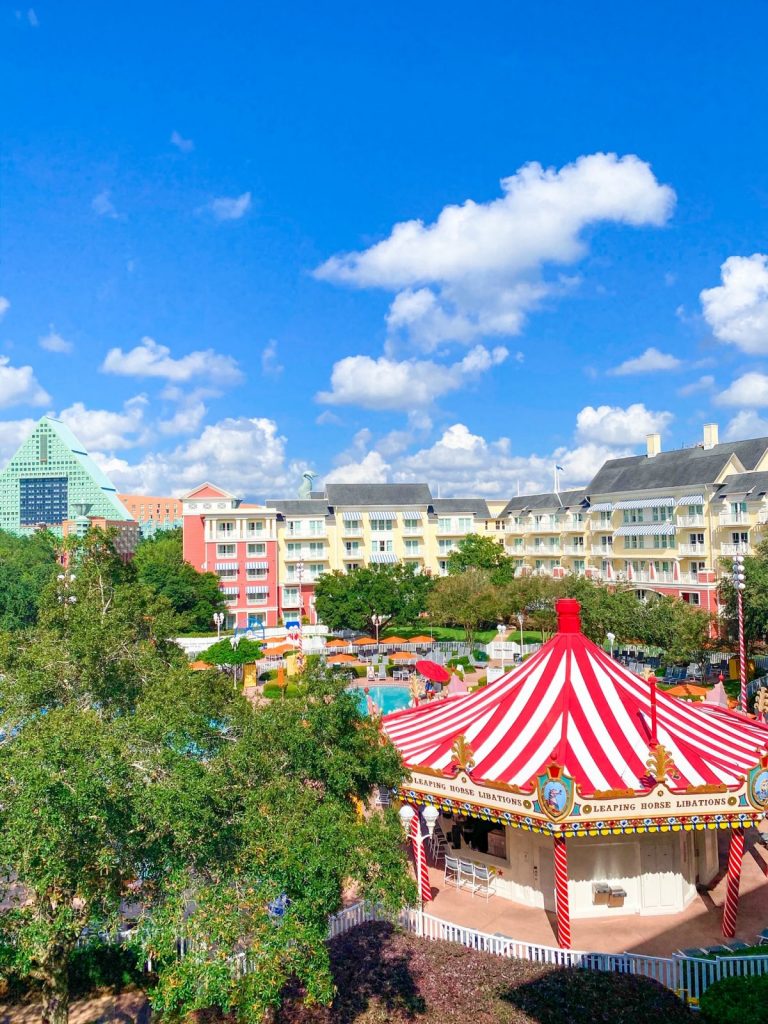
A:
x: 710, y: 435
x: 653, y: 444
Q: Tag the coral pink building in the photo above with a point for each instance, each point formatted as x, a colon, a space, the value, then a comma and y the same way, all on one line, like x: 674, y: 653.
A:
x: 238, y: 542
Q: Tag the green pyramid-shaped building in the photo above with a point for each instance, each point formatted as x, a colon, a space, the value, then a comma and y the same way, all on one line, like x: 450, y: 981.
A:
x: 52, y: 478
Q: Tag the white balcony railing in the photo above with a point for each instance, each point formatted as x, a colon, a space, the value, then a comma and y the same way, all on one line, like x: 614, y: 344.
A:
x: 691, y: 550
x: 574, y: 550
x: 727, y: 550
x: 733, y: 519
x: 602, y: 551
x: 692, y: 579
x: 690, y: 521
x: 305, y: 534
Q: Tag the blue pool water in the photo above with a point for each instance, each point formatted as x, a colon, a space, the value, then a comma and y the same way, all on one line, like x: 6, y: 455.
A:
x: 389, y: 698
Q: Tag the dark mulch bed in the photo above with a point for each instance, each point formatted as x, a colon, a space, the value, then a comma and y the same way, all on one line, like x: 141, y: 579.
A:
x: 386, y: 976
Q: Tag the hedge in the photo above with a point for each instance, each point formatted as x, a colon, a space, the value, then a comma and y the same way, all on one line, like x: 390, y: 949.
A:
x: 736, y: 1001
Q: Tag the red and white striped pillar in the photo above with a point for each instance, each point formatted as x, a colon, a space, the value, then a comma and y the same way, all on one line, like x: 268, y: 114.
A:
x: 420, y: 859
x: 561, y: 894
x: 742, y: 653
x: 735, y: 857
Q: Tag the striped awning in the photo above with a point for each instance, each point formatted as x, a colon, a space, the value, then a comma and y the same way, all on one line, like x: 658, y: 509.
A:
x: 256, y: 565
x: 601, y: 506
x: 411, y: 515
x: 646, y: 530
x: 691, y: 499
x: 226, y: 565
x: 384, y: 557
x: 263, y: 591
x: 230, y: 591
x: 645, y: 503
x: 389, y: 516
x: 351, y: 517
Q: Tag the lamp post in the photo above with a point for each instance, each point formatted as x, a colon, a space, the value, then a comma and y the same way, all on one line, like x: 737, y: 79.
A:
x: 66, y: 579
x: 610, y: 637
x: 520, y: 621
x: 738, y: 577
x: 377, y: 620
x: 500, y: 631
x: 218, y: 621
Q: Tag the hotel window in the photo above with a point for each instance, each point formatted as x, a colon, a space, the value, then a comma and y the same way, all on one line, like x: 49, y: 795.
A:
x: 578, y: 542
x: 380, y: 546
x: 256, y: 549
x: 256, y: 574
x: 293, y: 548
x: 465, y: 524
x: 661, y: 514
x: 577, y: 517
x: 351, y: 566
x: 634, y: 542
x: 226, y: 549
x: 316, y: 548
x: 412, y: 547
x: 351, y: 547
x: 226, y: 527
x: 740, y: 538
x: 290, y: 597
x: 518, y: 543
x: 605, y: 519
x: 578, y: 565
x: 444, y: 525
x: 230, y: 573
x: 696, y: 539
x: 253, y: 596
x: 382, y: 525
x: 443, y: 566
x: 666, y: 541
x: 633, y: 515
x: 690, y: 597
x: 255, y: 525
x: 518, y: 522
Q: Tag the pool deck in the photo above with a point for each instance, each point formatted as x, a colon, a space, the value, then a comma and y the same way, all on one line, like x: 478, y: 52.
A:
x: 658, y: 935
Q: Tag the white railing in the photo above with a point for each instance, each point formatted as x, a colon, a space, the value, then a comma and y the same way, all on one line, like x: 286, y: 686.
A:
x: 691, y: 550
x: 602, y: 550
x: 735, y: 549
x: 687, y: 977
x: 733, y: 519
x: 689, y: 521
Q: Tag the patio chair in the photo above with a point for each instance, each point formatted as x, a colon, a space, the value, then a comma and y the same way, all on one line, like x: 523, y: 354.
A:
x: 437, y: 844
x: 452, y: 874
x: 762, y: 938
x: 484, y: 881
x: 466, y: 874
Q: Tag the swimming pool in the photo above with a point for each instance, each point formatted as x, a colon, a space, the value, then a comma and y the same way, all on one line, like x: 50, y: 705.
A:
x: 388, y: 698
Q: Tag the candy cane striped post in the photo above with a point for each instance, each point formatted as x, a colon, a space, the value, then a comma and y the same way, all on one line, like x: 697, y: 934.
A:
x: 561, y: 894
x: 742, y: 653
x: 420, y: 859
x: 735, y: 855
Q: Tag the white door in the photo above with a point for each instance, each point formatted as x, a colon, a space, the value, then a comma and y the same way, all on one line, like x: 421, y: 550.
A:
x: 660, y: 885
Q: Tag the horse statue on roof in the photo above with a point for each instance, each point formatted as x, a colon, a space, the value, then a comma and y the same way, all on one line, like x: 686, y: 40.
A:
x: 306, y: 483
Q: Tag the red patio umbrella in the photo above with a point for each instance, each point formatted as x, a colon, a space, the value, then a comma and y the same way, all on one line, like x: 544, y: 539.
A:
x: 431, y: 670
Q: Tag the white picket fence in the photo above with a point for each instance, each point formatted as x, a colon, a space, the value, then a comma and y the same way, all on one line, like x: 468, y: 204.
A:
x: 687, y: 977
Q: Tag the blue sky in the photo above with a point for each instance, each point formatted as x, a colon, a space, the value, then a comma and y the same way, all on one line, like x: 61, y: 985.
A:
x: 394, y: 241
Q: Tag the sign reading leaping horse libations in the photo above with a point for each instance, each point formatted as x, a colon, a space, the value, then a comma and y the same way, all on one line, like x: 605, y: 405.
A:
x: 555, y: 804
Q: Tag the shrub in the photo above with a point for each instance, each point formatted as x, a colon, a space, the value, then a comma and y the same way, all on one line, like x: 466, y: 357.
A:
x: 479, y: 655
x: 736, y: 1001
x: 267, y: 675
x: 103, y: 966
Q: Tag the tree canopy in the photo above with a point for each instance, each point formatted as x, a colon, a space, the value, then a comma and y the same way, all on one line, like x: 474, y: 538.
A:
x: 476, y: 551
x: 468, y: 599
x: 755, y: 598
x: 396, y: 593
x: 193, y: 595
x: 27, y: 564
x: 123, y: 773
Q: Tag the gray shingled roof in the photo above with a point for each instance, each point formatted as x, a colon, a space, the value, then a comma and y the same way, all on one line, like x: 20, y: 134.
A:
x: 473, y: 506
x: 549, y: 500
x: 378, y: 494
x: 756, y: 483
x: 684, y: 467
x: 300, y: 506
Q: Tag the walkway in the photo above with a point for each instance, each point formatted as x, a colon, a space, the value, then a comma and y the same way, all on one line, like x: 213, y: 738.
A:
x: 697, y: 925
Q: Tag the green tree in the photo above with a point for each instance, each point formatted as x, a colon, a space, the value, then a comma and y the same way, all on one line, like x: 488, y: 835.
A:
x: 755, y: 598
x: 478, y: 552
x: 396, y: 593
x: 121, y: 771
x: 27, y: 564
x: 604, y: 609
x: 193, y: 595
x: 679, y: 629
x: 469, y: 600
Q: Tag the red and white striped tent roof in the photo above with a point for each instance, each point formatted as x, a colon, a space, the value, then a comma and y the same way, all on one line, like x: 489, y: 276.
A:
x: 572, y: 704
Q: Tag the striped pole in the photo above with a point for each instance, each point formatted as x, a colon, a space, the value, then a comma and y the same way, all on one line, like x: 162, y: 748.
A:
x: 299, y: 638
x: 420, y: 859
x: 735, y: 855
x: 742, y: 653
x: 561, y: 894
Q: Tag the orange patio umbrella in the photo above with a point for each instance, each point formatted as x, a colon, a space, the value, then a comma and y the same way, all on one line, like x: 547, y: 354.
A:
x: 363, y: 641
x: 279, y: 651
x: 341, y: 659
x: 395, y: 640
x: 420, y: 640
x: 200, y: 666
x: 688, y: 690
x: 403, y: 656
x: 337, y: 642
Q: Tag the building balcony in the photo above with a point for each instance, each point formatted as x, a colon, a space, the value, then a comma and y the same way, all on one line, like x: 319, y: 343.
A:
x: 691, y: 579
x: 691, y: 550
x: 733, y: 519
x: 574, y: 550
x: 602, y: 551
x: 598, y: 526
x: 683, y: 521
x: 306, y: 555
x: 548, y: 526
x: 728, y: 550
x: 305, y: 535
x: 574, y: 525
x: 353, y: 531
x: 353, y: 556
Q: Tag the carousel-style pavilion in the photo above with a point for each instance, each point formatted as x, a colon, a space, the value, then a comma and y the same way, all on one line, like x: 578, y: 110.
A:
x: 585, y: 786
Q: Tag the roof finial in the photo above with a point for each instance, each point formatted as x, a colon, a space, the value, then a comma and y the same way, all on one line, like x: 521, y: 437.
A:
x: 568, y: 615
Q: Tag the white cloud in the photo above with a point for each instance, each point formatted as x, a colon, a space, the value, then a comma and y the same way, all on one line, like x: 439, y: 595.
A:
x: 371, y: 469
x: 651, y: 361
x: 4, y: 306
x: 270, y: 362
x: 102, y: 205
x: 105, y: 429
x: 53, y: 342
x: 243, y: 455
x: 149, y: 359
x: 385, y: 383
x: 749, y: 389
x: 328, y: 418
x: 189, y: 414
x: 32, y: 18
x: 737, y: 310
x: 230, y: 207
x: 19, y: 386
x: 744, y: 424
x: 182, y: 144
x: 702, y: 384
x: 477, y: 270
x: 12, y: 434
x: 612, y: 425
